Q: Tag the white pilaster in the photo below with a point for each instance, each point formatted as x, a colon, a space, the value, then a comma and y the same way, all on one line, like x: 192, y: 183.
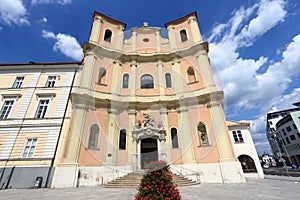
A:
x: 157, y: 37
x: 120, y: 38
x: 95, y: 33
x: 161, y: 80
x: 205, y: 70
x: 195, y: 29
x: 132, y: 79
x: 172, y: 38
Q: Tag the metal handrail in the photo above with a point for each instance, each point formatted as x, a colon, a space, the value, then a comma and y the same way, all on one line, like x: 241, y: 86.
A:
x: 191, y: 172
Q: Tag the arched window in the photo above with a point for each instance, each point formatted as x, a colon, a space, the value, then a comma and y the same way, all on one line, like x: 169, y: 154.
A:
x: 125, y: 81
x: 168, y: 80
x: 202, y: 134
x: 122, y: 139
x: 94, y: 136
x: 107, y: 35
x: 174, y: 138
x: 191, y: 75
x: 183, y: 35
x: 101, y: 76
x: 247, y: 163
x: 147, y: 81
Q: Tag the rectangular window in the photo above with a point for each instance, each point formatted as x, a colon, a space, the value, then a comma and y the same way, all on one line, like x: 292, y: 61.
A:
x: 7, y: 106
x: 237, y: 136
x: 283, y: 131
x: 292, y: 137
x: 50, y: 81
x: 18, y: 82
x: 287, y: 140
x: 42, y: 108
x: 288, y: 129
x: 283, y: 141
x: 272, y: 129
x: 29, y: 148
x: 270, y: 122
x: 295, y: 127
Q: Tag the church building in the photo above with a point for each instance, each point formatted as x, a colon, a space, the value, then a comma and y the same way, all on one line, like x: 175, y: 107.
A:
x: 144, y: 95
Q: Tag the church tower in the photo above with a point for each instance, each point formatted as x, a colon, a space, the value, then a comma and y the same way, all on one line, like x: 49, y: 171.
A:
x: 142, y: 96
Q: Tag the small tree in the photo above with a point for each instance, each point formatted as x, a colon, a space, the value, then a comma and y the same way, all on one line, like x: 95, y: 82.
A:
x: 157, y: 183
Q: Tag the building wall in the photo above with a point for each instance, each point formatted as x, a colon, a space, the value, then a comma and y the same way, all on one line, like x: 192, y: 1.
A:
x: 22, y: 123
x: 98, y: 98
x: 246, y: 147
x: 289, y: 136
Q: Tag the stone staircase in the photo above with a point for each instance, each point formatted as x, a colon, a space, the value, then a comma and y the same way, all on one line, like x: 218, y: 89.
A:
x: 133, y: 179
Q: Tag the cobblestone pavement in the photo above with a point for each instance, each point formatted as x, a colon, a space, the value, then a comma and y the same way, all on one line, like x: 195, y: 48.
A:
x: 272, y: 187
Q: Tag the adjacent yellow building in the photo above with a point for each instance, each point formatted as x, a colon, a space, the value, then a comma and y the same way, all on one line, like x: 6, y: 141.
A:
x: 34, y: 97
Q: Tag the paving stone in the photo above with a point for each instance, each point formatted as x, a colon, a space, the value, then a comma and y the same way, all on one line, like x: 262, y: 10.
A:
x: 273, y: 187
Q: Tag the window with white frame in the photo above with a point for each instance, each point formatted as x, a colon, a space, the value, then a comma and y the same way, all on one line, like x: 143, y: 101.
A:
x: 29, y: 148
x: 237, y: 136
x: 6, y: 109
x: 50, y: 81
x: 42, y: 108
x: 18, y: 82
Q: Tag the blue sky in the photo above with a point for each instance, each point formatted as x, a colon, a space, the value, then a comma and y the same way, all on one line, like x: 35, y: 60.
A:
x: 254, y: 44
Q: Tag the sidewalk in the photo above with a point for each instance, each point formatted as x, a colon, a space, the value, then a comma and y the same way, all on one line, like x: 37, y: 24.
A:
x: 272, y: 187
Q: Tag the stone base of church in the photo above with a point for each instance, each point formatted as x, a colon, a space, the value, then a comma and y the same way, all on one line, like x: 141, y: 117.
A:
x: 223, y: 172
x: 74, y: 176
x: 65, y: 176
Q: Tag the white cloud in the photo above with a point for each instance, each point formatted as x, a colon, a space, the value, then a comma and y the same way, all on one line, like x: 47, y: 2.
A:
x: 62, y: 2
x: 13, y: 12
x: 43, y: 20
x: 270, y: 13
x: 66, y: 44
x: 245, y: 88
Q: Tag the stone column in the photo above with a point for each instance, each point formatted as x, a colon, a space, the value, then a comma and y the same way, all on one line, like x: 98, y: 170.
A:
x: 132, y: 147
x: 172, y: 38
x: 205, y: 69
x: 162, y: 150
x: 95, y: 33
x: 184, y: 137
x: 135, y: 156
x: 195, y: 29
x: 161, y: 80
x: 167, y: 142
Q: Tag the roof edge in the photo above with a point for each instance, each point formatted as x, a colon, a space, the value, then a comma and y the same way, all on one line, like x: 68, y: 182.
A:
x: 182, y: 19
x: 109, y: 19
x: 40, y: 63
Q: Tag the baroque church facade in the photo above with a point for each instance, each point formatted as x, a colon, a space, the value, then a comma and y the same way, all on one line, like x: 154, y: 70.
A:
x: 137, y: 96
x: 141, y: 97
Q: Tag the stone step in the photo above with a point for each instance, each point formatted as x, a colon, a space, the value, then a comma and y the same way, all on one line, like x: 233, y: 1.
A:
x: 133, y: 180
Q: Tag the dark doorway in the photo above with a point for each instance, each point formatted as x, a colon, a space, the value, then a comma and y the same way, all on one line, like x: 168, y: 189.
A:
x: 148, y: 151
x: 247, y: 163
